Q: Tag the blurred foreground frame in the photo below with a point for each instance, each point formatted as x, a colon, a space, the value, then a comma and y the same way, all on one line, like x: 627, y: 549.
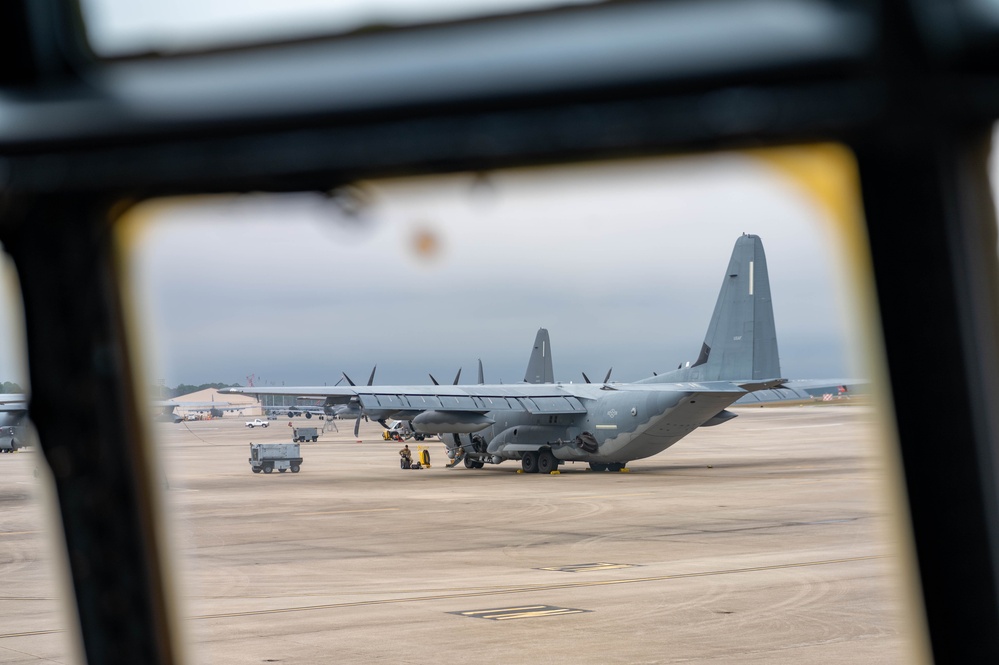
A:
x: 910, y: 87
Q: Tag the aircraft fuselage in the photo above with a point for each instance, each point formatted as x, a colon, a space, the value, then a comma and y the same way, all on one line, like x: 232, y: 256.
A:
x: 609, y: 425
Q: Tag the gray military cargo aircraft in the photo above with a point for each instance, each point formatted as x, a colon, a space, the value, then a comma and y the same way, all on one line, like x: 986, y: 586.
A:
x: 543, y: 424
x: 13, y: 410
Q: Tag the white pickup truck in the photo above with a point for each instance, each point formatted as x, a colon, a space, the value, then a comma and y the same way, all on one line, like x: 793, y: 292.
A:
x: 256, y: 423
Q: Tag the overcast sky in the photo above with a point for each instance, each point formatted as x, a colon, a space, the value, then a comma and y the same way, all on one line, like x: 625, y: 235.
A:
x: 622, y: 263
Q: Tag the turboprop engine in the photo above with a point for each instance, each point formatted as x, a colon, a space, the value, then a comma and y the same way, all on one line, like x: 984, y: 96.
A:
x: 450, y: 422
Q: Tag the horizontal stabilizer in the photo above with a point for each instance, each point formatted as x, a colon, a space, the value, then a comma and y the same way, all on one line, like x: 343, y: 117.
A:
x: 701, y: 387
x: 769, y: 384
x: 719, y: 418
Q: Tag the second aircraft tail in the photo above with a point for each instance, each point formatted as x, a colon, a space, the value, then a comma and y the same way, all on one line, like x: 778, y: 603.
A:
x: 539, y: 367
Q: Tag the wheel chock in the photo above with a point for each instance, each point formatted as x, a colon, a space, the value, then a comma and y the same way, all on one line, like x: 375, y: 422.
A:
x: 625, y: 470
x: 554, y: 473
x: 520, y: 471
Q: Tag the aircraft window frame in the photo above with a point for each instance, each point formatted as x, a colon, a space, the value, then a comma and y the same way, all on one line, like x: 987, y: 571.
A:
x: 109, y: 35
x: 916, y: 104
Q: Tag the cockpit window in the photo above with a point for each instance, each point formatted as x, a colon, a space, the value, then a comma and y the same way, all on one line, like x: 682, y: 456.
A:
x: 301, y: 512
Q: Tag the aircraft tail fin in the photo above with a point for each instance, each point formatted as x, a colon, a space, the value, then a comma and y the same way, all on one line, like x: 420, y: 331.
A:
x: 539, y: 367
x: 741, y: 342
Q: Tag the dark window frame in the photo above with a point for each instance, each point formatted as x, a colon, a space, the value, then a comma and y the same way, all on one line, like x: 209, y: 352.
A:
x: 910, y: 87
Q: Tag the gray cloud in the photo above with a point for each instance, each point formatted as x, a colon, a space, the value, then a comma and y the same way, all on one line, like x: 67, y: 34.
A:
x: 621, y: 262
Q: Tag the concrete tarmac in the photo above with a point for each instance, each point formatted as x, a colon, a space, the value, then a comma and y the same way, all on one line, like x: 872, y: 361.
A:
x: 767, y: 539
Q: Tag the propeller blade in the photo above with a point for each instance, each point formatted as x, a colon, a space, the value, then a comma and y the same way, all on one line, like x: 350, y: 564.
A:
x: 436, y: 382
x: 371, y: 379
x: 456, y: 377
x: 348, y: 379
x: 357, y: 426
x: 586, y: 378
x: 482, y: 378
x: 338, y: 382
x: 607, y: 378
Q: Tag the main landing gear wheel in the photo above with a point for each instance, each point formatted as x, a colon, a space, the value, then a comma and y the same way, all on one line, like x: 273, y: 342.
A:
x: 546, y: 461
x: 529, y: 462
x: 610, y: 466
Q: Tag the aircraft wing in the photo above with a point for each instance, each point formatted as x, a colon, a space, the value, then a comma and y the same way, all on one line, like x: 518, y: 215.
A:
x: 538, y: 399
x: 308, y: 409
x: 754, y: 386
x: 533, y: 401
x: 13, y: 410
x: 305, y: 392
x: 546, y: 399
